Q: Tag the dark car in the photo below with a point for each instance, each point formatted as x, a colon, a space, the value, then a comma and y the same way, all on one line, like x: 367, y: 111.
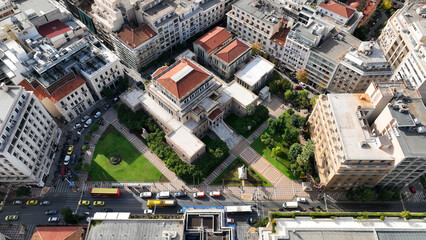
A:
x: 51, y: 212
x: 179, y: 194
x: 76, y: 140
x: 412, y: 189
x: 63, y: 169
x: 73, y: 158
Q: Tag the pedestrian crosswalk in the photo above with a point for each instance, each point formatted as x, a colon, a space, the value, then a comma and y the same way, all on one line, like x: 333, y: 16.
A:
x: 61, y: 186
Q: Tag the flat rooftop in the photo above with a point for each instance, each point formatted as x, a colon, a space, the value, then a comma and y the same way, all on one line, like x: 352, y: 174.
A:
x: 7, y: 99
x: 240, y: 93
x: 134, y: 229
x: 336, y: 48
x: 376, y: 57
x: 41, y: 7
x: 265, y: 12
x: 255, y: 70
x: 188, y: 143
x: 347, y: 229
x: 344, y: 108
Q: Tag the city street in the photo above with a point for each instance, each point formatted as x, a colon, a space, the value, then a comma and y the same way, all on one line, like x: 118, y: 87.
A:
x: 130, y: 202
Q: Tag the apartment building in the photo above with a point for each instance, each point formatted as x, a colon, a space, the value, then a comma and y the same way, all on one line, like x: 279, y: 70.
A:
x: 359, y: 67
x: 186, y: 100
x: 28, y: 138
x: 255, y: 21
x: 369, y: 139
x: 107, y: 18
x: 254, y: 75
x: 402, y: 41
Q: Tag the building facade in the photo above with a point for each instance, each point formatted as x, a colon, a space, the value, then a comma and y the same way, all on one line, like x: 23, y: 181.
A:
x: 28, y: 138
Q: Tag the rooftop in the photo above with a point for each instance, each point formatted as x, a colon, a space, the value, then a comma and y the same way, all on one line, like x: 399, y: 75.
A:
x: 338, y: 8
x: 232, y: 50
x: 344, y: 108
x: 41, y: 7
x: 159, y: 112
x: 214, y: 38
x: 346, y: 229
x: 255, y: 70
x: 367, y: 54
x: 270, y: 12
x: 335, y: 47
x: 58, y: 233
x: 7, y: 100
x: 182, y: 77
x: 239, y: 93
x: 280, y: 36
x: 53, y: 29
x: 187, y: 142
x: 135, y: 229
x: 134, y: 37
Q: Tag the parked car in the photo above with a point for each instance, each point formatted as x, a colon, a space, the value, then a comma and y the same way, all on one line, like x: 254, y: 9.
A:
x: 179, y: 194
x: 53, y: 219
x: 84, y: 202
x: 11, y: 218
x: 17, y: 202
x: 98, y: 114
x: 198, y: 195
x: 51, y: 212
x: 230, y: 221
x: 45, y: 203
x: 77, y: 126
x: 145, y: 194
x: 303, y: 85
x: 162, y: 195
x: 85, y: 118
x: 412, y: 189
x: 79, y: 132
x: 88, y: 123
x: 301, y: 199
x: 70, y: 149
x: 214, y: 194
x: 63, y: 169
x: 98, y: 203
x: 73, y: 158
x: 297, y: 87
x: 148, y: 211
x: 32, y: 202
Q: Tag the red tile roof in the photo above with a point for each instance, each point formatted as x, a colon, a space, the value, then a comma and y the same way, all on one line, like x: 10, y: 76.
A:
x: 53, y: 29
x: 182, y: 77
x: 338, y: 8
x: 214, y: 38
x: 232, y: 51
x: 281, y: 36
x: 159, y: 71
x: 134, y: 37
x: 58, y: 233
x: 214, y: 114
x: 58, y: 94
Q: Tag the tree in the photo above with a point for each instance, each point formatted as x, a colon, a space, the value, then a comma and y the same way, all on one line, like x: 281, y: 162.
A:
x: 273, y: 87
x: 85, y: 147
x: 386, y: 4
x: 94, y: 128
x: 69, y: 217
x: 23, y: 191
x: 107, y: 92
x: 255, y: 48
x: 302, y: 76
x: 302, y: 159
x: 288, y: 95
x: 291, y: 135
x: 313, y: 100
x: 286, y: 85
x: 277, y: 151
x: 87, y: 137
x: 364, y: 194
x: 123, y: 83
x: 250, y: 109
x: 295, y: 150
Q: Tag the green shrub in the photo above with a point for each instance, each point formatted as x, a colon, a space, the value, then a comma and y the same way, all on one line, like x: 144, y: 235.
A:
x: 382, y: 218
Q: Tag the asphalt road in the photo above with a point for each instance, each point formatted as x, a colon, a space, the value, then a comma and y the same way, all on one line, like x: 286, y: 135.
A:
x: 129, y: 202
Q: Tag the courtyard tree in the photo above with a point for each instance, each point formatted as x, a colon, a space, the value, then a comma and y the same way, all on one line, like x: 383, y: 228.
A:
x: 386, y: 4
x: 107, y: 92
x: 288, y: 95
x: 267, y: 140
x: 302, y: 76
x: 94, y: 128
x: 250, y: 109
x: 123, y: 83
x: 295, y: 150
x: 291, y: 135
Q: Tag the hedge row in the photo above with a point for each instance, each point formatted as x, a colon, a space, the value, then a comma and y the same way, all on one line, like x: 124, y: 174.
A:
x: 344, y: 214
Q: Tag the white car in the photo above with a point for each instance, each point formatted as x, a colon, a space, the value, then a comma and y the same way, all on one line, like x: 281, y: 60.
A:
x: 88, y: 123
x: 98, y: 114
x: 301, y: 199
x: 79, y: 132
x: 303, y: 85
x: 85, y: 118
x: 145, y: 194
x: 77, y: 126
x: 67, y: 160
x: 148, y: 211
x: 53, y: 219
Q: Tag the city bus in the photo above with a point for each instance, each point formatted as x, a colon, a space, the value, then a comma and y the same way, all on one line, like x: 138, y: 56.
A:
x: 161, y: 203
x: 238, y: 209
x: 105, y: 192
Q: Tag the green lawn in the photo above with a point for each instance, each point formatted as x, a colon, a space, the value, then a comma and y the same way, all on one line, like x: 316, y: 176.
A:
x: 282, y: 163
x: 240, y: 124
x: 229, y: 177
x: 134, y: 166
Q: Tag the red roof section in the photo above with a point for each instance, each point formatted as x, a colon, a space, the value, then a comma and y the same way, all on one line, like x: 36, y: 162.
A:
x: 214, y: 114
x: 58, y: 233
x: 214, y: 38
x: 281, y: 36
x: 58, y: 94
x: 134, y: 37
x: 188, y: 79
x: 338, y: 8
x: 159, y: 71
x: 232, y: 51
x: 53, y: 29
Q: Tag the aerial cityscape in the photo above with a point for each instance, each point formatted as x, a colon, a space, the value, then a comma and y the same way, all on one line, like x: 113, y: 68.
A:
x: 212, y: 119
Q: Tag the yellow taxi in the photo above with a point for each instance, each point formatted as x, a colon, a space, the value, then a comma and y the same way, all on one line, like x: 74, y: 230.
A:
x: 70, y: 149
x: 98, y: 203
x: 84, y: 203
x: 32, y: 202
x: 11, y: 218
x: 1, y: 203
